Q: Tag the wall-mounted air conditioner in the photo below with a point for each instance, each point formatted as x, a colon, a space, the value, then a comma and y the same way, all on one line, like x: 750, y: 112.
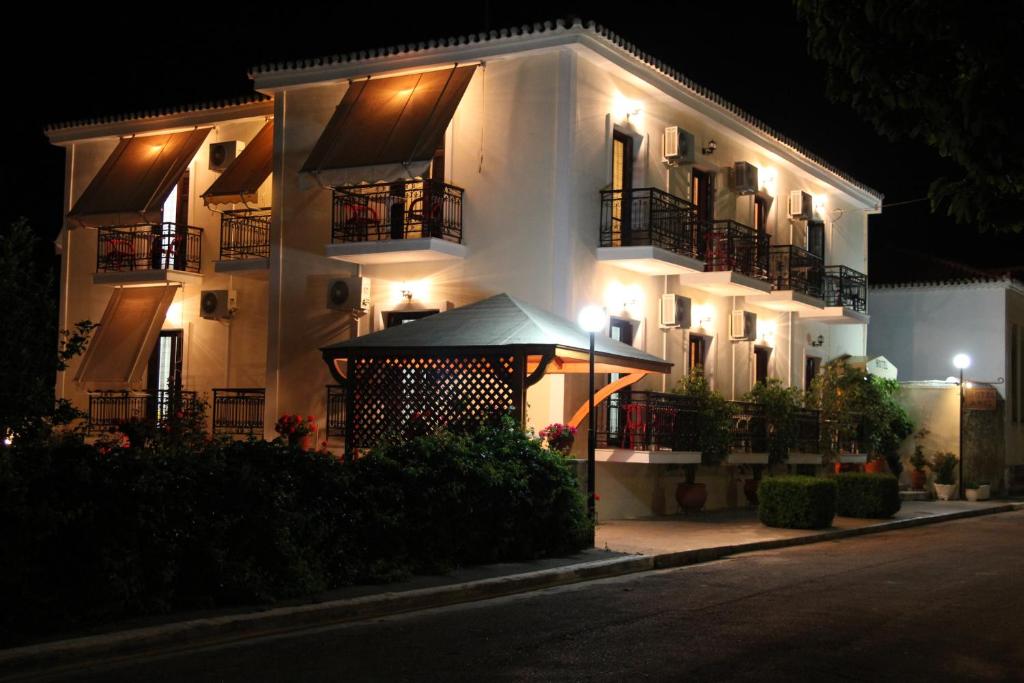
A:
x: 801, y: 205
x: 349, y: 294
x: 744, y: 178
x: 218, y: 304
x: 675, y: 311
x: 677, y: 146
x: 223, y: 153
x: 743, y: 326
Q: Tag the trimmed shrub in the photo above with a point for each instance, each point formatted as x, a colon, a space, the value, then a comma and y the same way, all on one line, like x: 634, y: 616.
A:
x: 796, y: 502
x: 871, y: 496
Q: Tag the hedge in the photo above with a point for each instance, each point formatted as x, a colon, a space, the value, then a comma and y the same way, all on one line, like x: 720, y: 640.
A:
x: 871, y: 496
x: 796, y: 502
x: 89, y: 535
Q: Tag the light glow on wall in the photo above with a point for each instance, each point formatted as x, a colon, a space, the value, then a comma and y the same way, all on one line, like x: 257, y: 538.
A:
x: 174, y: 313
x: 625, y: 109
x: 766, y: 332
x: 820, y: 204
x: 629, y: 298
x: 768, y: 179
x: 405, y: 291
x: 702, y: 315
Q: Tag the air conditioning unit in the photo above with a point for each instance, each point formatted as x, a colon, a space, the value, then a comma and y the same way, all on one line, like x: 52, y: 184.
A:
x: 218, y: 304
x: 801, y: 205
x: 675, y: 311
x: 223, y: 153
x: 744, y: 178
x: 677, y: 146
x: 743, y: 326
x: 349, y: 294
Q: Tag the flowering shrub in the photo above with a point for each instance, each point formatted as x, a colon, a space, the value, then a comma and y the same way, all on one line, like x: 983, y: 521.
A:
x: 560, y: 437
x: 294, y: 427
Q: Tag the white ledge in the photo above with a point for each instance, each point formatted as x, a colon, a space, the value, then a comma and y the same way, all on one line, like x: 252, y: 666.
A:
x: 397, y: 251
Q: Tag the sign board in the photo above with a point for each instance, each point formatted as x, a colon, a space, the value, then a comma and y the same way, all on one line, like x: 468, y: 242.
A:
x: 980, y: 398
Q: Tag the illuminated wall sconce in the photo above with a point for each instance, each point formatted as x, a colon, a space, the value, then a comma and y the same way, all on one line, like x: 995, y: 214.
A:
x: 768, y: 179
x: 702, y: 315
x: 629, y: 298
x: 709, y: 148
x: 411, y: 289
x: 820, y: 204
x: 766, y: 332
x: 624, y: 108
x: 816, y: 341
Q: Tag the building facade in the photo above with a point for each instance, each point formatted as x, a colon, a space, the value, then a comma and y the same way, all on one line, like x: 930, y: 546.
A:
x: 557, y: 164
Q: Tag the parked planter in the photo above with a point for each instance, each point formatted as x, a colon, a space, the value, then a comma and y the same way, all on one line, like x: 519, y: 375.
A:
x: 984, y: 491
x: 917, y: 479
x: 971, y: 495
x: 750, y: 490
x: 303, y: 442
x: 944, y: 491
x: 874, y: 466
x: 691, y: 497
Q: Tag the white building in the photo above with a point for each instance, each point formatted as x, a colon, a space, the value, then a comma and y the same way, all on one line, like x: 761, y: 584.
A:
x: 558, y: 164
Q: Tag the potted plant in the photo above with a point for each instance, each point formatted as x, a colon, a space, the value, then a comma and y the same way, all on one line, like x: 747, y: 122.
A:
x: 944, y: 467
x: 713, y: 419
x: 971, y: 491
x: 296, y: 430
x: 917, y: 475
x: 984, y: 490
x: 559, y: 437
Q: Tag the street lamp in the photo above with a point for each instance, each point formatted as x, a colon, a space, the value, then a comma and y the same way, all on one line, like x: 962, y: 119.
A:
x: 961, y: 361
x: 592, y: 319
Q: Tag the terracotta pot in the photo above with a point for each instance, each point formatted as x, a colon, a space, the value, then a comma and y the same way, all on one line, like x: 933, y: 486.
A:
x: 302, y: 442
x: 691, y: 497
x: 750, y: 490
x: 846, y: 467
x: 874, y: 466
x: 917, y: 479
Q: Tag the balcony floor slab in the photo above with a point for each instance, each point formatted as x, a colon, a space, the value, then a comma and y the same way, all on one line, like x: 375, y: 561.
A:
x: 649, y: 260
x: 804, y: 459
x: 250, y: 267
x: 375, y: 252
x: 837, y: 315
x: 725, y: 283
x: 628, y: 455
x: 145, y: 278
x: 746, y: 459
x: 789, y: 301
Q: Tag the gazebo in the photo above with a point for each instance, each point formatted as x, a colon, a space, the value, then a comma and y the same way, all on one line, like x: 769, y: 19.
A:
x: 467, y: 364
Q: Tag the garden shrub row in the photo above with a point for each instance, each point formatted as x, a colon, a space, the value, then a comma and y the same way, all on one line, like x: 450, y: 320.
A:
x: 796, y: 502
x: 90, y: 535
x: 870, y: 496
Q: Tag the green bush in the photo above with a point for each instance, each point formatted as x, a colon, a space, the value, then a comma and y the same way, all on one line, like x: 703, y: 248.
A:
x: 870, y: 496
x: 796, y: 502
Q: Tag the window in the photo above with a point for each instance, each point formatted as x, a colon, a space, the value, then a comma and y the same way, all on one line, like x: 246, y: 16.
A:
x: 811, y: 366
x: 622, y: 181
x: 761, y: 356
x: 395, y: 318
x: 622, y: 331
x: 816, y: 238
x: 761, y: 209
x: 702, y: 194
x: 163, y: 381
x: 697, y: 356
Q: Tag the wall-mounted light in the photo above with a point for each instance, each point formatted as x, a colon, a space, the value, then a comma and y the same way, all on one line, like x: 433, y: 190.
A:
x: 709, y: 148
x: 816, y: 341
x: 620, y: 297
x: 820, y: 205
x: 702, y: 315
x: 623, y: 108
x: 766, y: 332
x: 411, y: 289
x: 768, y: 180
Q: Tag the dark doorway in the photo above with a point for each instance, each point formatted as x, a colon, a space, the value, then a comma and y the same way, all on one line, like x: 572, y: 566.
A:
x: 618, y: 403
x: 622, y: 186
x: 811, y: 367
x: 761, y: 356
x: 697, y: 357
x: 163, y: 376
x: 816, y: 238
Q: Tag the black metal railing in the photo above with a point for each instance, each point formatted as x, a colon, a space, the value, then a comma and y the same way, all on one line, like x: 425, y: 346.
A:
x: 648, y: 421
x: 807, y: 437
x: 728, y: 245
x: 238, y: 411
x: 159, y: 246
x: 407, y: 209
x: 796, y: 269
x: 845, y: 436
x: 649, y: 217
x: 749, y: 428
x: 110, y: 409
x: 335, y: 411
x: 245, y: 234
x: 846, y: 287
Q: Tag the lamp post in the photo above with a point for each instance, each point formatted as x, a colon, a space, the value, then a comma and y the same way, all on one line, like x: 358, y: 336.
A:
x: 592, y: 319
x: 961, y: 361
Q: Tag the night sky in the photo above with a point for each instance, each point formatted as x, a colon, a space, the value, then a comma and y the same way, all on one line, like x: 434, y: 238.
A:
x: 755, y: 56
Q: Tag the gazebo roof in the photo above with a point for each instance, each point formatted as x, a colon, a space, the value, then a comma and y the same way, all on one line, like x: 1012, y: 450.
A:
x: 502, y: 321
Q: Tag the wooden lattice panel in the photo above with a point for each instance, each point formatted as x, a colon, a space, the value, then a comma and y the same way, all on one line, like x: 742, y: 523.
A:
x: 398, y: 396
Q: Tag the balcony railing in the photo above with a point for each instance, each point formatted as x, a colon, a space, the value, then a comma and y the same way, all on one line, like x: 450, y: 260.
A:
x: 238, y: 411
x: 335, y: 411
x: 808, y: 431
x: 245, y: 234
x: 649, y: 217
x: 845, y: 436
x: 749, y: 429
x: 729, y: 245
x: 846, y: 287
x: 648, y: 421
x: 795, y: 269
x: 110, y: 409
x: 408, y: 209
x: 160, y: 246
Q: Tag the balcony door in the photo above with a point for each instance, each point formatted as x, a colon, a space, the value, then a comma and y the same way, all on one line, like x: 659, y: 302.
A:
x: 816, y: 239
x: 171, y: 236
x: 761, y: 356
x: 163, y: 378
x: 702, y: 195
x: 618, y: 403
x: 622, y: 186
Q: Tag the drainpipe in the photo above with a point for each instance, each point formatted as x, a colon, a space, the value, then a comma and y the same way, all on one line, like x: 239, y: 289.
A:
x: 664, y: 338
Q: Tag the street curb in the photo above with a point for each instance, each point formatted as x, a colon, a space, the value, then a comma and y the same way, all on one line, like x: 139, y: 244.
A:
x: 53, y: 656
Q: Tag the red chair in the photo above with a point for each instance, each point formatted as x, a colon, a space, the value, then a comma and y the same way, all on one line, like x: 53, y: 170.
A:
x: 635, y: 433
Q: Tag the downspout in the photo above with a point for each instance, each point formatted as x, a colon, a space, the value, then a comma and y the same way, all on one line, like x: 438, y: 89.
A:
x: 732, y: 350
x: 664, y: 338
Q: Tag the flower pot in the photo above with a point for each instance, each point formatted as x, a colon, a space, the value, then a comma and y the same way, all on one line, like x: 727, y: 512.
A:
x: 874, y: 466
x: 984, y: 491
x: 944, y: 491
x: 971, y: 495
x: 917, y: 479
x: 750, y: 490
x: 691, y: 497
x: 302, y: 442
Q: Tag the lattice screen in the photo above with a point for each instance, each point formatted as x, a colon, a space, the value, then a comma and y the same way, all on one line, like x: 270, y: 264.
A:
x: 396, y: 396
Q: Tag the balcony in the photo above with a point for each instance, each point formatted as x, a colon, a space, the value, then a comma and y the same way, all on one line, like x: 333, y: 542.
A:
x: 140, y: 255
x: 845, y: 438
x: 400, y: 222
x: 806, y: 449
x: 749, y: 434
x: 845, y: 293
x: 108, y: 410
x: 648, y: 427
x: 797, y: 279
x: 244, y: 241
x: 238, y: 411
x: 649, y: 231
x: 736, y: 261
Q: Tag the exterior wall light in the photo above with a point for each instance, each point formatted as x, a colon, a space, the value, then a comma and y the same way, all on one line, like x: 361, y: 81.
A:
x: 709, y: 148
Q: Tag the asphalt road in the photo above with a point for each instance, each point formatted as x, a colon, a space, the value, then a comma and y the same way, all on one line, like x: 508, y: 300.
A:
x: 937, y: 603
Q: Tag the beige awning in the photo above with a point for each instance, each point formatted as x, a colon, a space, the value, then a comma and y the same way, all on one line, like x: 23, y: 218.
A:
x: 242, y: 179
x: 387, y: 128
x: 136, y: 179
x: 117, y: 354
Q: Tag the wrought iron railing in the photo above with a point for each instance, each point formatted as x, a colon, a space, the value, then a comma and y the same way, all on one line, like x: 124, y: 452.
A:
x: 796, y: 269
x: 406, y: 209
x: 335, y: 411
x: 846, y: 287
x: 159, y: 246
x: 648, y: 421
x: 238, y: 411
x: 728, y: 245
x: 808, y: 431
x: 845, y: 436
x: 245, y: 234
x: 649, y: 217
x: 749, y: 429
x: 110, y: 409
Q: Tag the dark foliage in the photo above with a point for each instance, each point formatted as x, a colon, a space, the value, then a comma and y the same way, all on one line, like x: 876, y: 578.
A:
x: 796, y: 502
x: 870, y: 496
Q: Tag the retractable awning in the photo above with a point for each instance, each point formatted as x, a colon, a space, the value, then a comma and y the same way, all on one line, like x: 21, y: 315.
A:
x: 118, y: 352
x: 243, y: 178
x: 387, y: 128
x: 136, y: 179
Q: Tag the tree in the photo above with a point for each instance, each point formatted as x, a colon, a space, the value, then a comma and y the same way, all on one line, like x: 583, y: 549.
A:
x: 945, y: 73
x: 32, y: 348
